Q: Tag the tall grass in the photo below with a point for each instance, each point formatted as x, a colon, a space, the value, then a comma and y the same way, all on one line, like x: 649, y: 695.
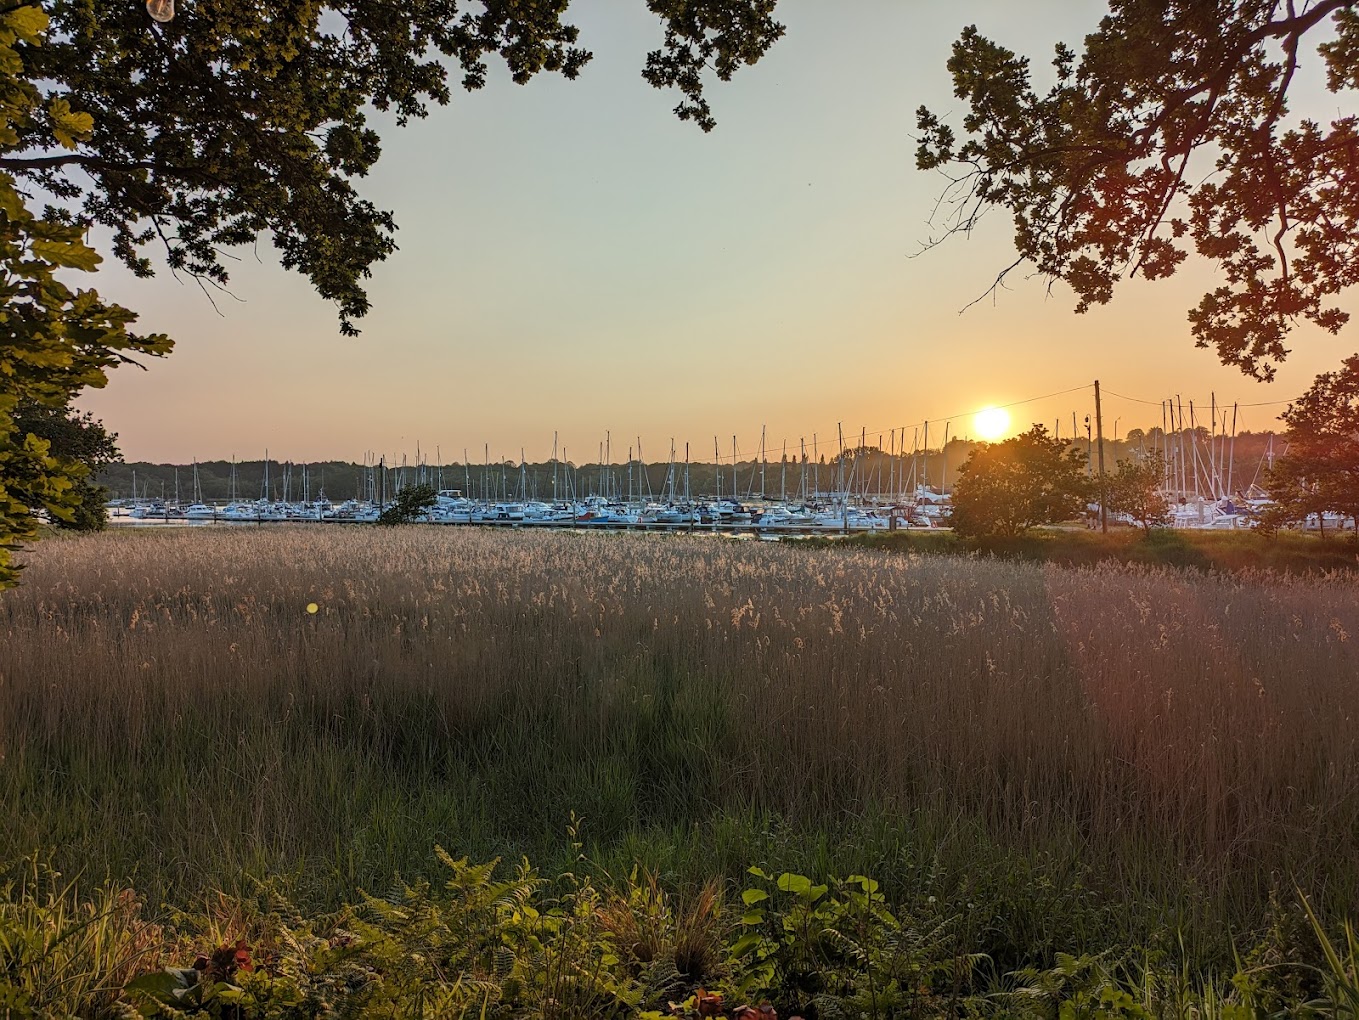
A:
x: 1240, y: 550
x: 1107, y: 745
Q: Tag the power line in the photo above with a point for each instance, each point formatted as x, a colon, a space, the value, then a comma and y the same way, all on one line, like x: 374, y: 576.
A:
x: 1017, y: 403
x: 879, y: 430
x: 1158, y: 403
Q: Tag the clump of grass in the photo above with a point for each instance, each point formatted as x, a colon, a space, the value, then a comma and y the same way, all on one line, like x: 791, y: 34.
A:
x: 62, y: 955
x: 676, y: 941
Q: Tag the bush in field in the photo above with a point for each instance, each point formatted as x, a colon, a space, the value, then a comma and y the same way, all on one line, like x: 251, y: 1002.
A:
x: 1004, y: 489
x: 1135, y: 490
x: 409, y: 504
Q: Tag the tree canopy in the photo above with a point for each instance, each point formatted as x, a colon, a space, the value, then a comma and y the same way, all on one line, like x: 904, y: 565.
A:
x: 1006, y: 488
x: 1171, y: 133
x: 1135, y: 491
x: 56, y: 340
x: 234, y: 121
x: 227, y: 123
x: 1319, y: 473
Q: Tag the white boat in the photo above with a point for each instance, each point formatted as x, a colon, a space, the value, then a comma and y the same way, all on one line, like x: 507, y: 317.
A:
x: 780, y: 516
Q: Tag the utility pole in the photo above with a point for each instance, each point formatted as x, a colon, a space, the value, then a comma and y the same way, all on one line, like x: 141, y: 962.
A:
x: 1103, y: 481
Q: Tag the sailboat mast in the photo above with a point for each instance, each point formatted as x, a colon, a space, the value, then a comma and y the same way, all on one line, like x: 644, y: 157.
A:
x: 1179, y: 406
x: 859, y: 456
x: 925, y: 459
x: 1231, y: 453
x: 686, y: 474
x: 1165, y: 466
x: 802, y: 474
x: 892, y: 464
x: 877, y: 478
x: 816, y: 468
x: 764, y: 461
x: 844, y: 496
x: 943, y: 458
x: 840, y: 469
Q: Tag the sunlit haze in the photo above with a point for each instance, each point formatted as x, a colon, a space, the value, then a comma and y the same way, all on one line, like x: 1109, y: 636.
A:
x: 991, y: 423
x: 573, y: 259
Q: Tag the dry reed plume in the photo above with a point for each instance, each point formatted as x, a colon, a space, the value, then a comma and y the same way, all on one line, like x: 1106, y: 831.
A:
x: 1164, y: 720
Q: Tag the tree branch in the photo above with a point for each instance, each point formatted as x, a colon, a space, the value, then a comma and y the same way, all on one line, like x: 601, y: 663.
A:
x: 78, y: 159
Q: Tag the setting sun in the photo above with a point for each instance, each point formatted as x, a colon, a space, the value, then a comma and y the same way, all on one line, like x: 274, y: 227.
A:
x: 992, y: 423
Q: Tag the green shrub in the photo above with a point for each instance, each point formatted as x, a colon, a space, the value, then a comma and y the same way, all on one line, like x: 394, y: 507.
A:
x: 502, y: 946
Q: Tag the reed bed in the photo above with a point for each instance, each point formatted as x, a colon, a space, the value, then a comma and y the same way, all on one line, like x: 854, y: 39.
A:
x: 171, y: 714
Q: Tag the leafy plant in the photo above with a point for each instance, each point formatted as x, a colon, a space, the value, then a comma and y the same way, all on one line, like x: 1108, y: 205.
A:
x: 837, y: 949
x: 1340, y: 975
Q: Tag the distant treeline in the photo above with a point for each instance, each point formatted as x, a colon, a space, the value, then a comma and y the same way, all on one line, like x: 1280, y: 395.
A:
x: 866, y: 469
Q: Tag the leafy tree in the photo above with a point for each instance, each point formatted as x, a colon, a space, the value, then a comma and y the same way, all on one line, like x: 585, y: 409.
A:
x: 231, y: 122
x: 224, y: 124
x: 56, y: 340
x: 409, y: 504
x: 1170, y: 132
x: 1135, y: 490
x: 1320, y: 470
x: 1295, y: 497
x: 81, y: 441
x: 1006, y: 488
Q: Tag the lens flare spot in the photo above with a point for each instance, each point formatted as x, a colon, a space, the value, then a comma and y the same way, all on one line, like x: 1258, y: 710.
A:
x: 313, y: 608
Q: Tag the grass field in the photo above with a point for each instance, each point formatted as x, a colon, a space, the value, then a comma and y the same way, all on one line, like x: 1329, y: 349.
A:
x: 1238, y: 550
x: 1072, y: 758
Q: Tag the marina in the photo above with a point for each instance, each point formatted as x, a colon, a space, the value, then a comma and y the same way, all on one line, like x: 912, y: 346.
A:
x: 596, y: 513
x: 898, y: 484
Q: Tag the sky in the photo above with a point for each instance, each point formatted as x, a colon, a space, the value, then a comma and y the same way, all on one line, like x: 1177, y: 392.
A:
x: 575, y: 260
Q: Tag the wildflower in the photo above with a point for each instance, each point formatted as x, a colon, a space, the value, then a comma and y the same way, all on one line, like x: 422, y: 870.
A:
x: 223, y: 963
x: 708, y: 1003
